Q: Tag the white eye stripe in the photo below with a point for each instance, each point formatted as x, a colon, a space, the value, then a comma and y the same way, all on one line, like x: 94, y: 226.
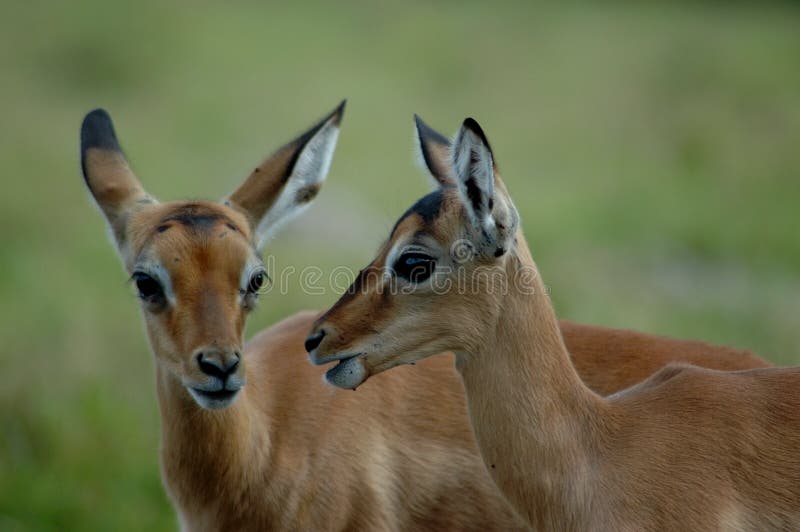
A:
x: 160, y: 274
x: 393, y: 255
x: 414, y: 249
x: 247, y: 275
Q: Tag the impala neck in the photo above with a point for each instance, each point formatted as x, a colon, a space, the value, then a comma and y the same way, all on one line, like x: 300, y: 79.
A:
x: 533, y: 417
x: 205, y: 453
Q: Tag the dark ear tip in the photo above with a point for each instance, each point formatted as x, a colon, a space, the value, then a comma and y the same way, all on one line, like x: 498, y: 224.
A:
x: 422, y: 126
x: 427, y: 134
x: 98, y: 113
x: 472, y: 125
x: 338, y: 113
x: 97, y: 131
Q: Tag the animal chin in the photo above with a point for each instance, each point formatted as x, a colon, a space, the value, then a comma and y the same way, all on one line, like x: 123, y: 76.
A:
x: 213, y: 400
x: 348, y: 373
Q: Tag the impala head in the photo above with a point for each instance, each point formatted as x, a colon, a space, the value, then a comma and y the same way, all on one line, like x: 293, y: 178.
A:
x: 196, y: 264
x: 430, y: 288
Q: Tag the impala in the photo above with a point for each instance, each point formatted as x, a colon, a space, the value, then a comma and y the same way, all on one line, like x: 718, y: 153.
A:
x: 686, y: 449
x: 608, y: 360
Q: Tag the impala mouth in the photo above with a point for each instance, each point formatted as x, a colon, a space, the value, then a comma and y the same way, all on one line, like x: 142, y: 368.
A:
x: 318, y: 360
x: 213, y: 399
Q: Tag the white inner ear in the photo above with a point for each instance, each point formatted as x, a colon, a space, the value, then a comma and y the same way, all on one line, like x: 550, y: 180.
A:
x: 309, y: 172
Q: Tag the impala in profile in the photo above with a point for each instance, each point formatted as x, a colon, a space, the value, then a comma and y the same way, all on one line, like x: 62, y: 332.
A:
x: 686, y: 449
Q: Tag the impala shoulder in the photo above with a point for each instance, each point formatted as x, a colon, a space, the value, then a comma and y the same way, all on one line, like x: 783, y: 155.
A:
x: 673, y: 371
x: 670, y: 374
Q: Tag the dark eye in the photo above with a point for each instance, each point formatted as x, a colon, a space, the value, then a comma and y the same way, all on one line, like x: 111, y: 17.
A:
x: 149, y: 289
x: 414, y: 266
x: 257, y: 280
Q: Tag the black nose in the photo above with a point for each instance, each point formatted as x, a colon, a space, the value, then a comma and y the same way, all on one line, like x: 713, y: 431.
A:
x: 314, y: 340
x: 218, y: 364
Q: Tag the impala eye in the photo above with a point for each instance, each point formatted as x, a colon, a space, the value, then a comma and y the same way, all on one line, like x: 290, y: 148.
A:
x: 149, y: 289
x: 415, y: 266
x: 257, y: 281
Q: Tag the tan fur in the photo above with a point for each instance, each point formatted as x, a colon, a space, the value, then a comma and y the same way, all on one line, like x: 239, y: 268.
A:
x: 609, y: 360
x: 273, y: 461
x: 687, y: 449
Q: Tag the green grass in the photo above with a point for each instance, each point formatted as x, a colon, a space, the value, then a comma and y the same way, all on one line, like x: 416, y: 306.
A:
x: 653, y: 151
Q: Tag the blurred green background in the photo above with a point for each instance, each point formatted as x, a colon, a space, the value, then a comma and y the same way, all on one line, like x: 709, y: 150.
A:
x: 653, y: 150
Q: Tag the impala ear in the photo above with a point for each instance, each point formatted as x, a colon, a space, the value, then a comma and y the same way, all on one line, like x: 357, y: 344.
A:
x: 284, y: 184
x: 115, y: 188
x: 434, y: 151
x: 489, y: 208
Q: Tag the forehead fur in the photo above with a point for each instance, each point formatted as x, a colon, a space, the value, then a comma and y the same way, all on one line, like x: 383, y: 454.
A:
x: 194, y: 259
x: 433, y: 213
x: 195, y: 219
x: 426, y: 209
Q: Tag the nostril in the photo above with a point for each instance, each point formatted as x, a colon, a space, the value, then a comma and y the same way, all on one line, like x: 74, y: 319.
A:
x: 233, y: 363
x: 218, y: 366
x: 209, y: 366
x: 314, y: 339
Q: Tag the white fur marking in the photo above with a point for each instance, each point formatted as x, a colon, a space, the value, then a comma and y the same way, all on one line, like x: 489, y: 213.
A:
x: 311, y: 169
